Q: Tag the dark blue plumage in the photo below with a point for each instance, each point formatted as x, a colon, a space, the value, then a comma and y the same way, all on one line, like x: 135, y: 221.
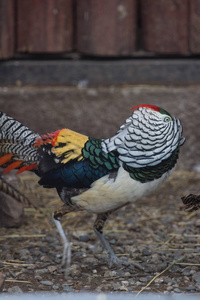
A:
x: 78, y: 174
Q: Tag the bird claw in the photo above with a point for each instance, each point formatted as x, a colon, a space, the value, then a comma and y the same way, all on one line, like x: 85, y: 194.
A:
x: 114, y: 260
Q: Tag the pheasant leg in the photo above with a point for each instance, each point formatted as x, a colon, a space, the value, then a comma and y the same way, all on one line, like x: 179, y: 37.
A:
x: 57, y: 215
x: 113, y: 259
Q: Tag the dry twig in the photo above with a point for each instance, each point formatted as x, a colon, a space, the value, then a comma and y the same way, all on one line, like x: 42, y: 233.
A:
x: 173, y: 263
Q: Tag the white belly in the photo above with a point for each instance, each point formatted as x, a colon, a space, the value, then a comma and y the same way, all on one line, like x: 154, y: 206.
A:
x: 107, y: 194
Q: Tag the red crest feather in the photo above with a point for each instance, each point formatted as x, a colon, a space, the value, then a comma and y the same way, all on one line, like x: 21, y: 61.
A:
x: 154, y: 107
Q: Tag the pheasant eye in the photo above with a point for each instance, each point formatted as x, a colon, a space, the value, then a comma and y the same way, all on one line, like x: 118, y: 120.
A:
x: 167, y: 119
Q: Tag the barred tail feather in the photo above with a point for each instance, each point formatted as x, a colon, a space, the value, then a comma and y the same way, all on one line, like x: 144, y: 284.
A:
x: 13, y: 192
x: 17, y: 195
x: 11, y: 129
x: 16, y: 145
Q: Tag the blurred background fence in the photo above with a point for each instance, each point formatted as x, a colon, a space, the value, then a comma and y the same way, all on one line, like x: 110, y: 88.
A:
x: 105, y: 28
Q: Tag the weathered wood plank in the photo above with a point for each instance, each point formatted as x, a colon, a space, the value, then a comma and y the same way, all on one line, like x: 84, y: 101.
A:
x: 44, y: 26
x: 106, y: 27
x: 165, y: 26
x: 7, y: 28
x: 194, y: 29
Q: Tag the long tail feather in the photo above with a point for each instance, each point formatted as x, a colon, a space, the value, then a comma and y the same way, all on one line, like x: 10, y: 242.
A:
x: 13, y: 192
x: 10, y: 190
x: 17, y: 145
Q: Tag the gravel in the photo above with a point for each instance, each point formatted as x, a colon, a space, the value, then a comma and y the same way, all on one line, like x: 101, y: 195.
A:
x: 31, y: 255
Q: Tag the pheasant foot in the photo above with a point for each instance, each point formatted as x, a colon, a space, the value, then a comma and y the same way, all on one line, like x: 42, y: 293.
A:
x: 113, y: 259
x: 66, y: 258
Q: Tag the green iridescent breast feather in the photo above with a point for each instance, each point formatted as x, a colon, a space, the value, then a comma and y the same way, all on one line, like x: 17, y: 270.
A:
x: 110, y: 161
x: 149, y: 173
x: 93, y: 152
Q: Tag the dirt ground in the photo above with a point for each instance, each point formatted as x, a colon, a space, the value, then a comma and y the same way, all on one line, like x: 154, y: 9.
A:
x: 155, y: 231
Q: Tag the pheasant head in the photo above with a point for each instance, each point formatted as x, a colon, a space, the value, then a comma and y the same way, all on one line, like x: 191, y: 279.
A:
x: 147, y: 143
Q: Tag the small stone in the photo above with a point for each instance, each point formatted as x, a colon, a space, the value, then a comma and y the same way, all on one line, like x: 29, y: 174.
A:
x: 55, y: 287
x: 175, y: 285
x: 190, y: 288
x: 161, y: 266
x: 24, y: 254
x: 75, y: 270
x: 186, y: 273
x: 155, y: 256
x: 196, y: 277
x: 15, y: 290
x: 151, y: 268
x: 38, y: 277
x: 83, y: 238
x: 109, y: 273
x: 149, y: 277
x: 5, y: 248
x: 41, y: 271
x: 99, y: 288
x: 46, y: 282
x: 143, y: 279
x: 45, y: 258
x: 165, y: 292
x: 35, y: 252
x: 52, y: 269
x: 32, y: 267
x: 177, y: 290
x: 137, y: 283
x: 197, y: 223
x: 159, y: 280
x: 44, y: 249
x: 127, y: 274
x: 198, y: 287
x: 90, y: 261
x: 146, y: 252
x: 51, y: 241
x: 67, y: 288
x: 13, y: 274
x: 125, y: 282
x: 112, y: 242
x: 186, y: 279
x: 123, y: 288
x: 116, y: 286
x: 131, y: 281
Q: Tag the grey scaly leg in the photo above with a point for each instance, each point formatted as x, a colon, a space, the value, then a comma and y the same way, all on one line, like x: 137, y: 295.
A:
x: 57, y: 215
x: 66, y: 257
x: 98, y: 229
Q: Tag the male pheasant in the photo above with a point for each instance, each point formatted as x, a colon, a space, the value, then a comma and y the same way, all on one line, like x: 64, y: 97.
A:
x: 97, y: 175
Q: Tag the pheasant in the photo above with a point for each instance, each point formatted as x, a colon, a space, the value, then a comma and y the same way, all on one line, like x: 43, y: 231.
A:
x: 96, y: 175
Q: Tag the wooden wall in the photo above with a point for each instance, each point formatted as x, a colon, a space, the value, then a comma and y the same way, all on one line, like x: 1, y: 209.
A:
x: 107, y: 28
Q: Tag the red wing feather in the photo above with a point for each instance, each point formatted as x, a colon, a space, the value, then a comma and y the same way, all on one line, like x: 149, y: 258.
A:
x: 12, y: 166
x: 6, y: 158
